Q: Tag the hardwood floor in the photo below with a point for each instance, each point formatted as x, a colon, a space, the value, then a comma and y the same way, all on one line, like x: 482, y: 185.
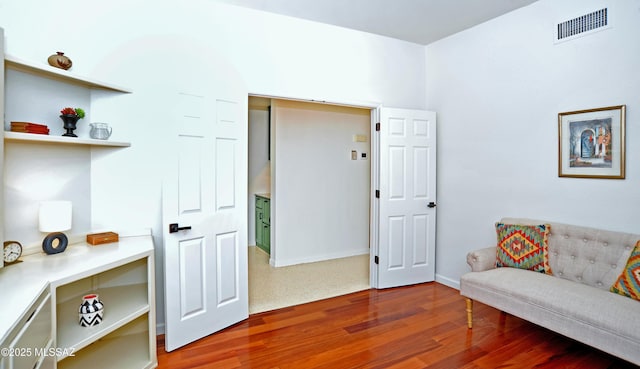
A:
x: 421, y: 326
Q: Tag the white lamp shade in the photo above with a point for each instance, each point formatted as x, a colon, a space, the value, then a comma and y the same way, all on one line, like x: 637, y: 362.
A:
x: 54, y: 216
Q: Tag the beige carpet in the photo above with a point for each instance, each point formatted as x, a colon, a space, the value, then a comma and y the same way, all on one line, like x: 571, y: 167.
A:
x: 274, y: 288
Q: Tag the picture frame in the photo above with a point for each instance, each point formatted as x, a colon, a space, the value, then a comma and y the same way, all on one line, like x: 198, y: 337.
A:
x: 591, y: 143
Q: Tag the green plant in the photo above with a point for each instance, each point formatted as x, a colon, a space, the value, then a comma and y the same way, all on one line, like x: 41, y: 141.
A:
x: 71, y: 111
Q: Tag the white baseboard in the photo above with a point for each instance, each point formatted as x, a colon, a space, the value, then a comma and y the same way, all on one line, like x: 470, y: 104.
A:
x: 313, y: 259
x: 159, y: 329
x: 448, y: 281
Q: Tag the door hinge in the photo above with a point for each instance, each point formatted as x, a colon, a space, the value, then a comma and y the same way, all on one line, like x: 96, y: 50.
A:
x: 377, y: 126
x: 377, y: 194
x: 376, y: 259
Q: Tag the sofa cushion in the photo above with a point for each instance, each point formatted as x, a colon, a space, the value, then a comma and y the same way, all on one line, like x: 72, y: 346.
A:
x: 523, y: 246
x: 628, y: 284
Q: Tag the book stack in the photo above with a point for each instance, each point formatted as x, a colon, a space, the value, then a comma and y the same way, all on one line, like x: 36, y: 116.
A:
x: 28, y: 127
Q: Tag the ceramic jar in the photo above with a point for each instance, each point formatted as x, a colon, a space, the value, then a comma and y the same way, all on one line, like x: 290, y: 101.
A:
x: 91, y: 311
x: 59, y: 60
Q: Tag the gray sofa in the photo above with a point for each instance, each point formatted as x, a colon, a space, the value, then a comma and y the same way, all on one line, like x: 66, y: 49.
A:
x: 575, y: 301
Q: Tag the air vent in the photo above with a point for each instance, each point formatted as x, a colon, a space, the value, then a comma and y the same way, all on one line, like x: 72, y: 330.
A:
x: 582, y: 25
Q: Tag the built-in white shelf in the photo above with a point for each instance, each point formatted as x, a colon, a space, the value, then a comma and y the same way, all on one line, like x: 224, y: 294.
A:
x: 47, y: 71
x: 122, y: 304
x: 129, y: 351
x: 38, y: 138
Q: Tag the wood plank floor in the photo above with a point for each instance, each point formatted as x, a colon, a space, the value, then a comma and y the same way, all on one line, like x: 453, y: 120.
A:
x: 421, y: 326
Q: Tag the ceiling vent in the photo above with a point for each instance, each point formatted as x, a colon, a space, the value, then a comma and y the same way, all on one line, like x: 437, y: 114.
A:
x: 582, y: 25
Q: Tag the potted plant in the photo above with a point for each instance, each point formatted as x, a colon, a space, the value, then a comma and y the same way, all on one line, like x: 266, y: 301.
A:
x: 70, y: 117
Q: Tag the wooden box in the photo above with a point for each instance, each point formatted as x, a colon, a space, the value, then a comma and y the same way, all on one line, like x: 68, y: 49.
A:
x: 100, y: 238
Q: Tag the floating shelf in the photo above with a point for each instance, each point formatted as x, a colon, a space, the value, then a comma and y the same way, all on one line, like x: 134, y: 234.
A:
x: 58, y: 74
x: 31, y: 137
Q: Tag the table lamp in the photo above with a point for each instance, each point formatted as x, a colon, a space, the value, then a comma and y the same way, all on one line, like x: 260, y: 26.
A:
x: 54, y: 217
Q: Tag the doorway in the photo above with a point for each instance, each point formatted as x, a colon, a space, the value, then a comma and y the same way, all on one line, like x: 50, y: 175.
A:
x: 313, y: 162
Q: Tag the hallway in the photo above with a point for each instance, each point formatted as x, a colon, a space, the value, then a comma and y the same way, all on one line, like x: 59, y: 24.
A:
x: 273, y: 288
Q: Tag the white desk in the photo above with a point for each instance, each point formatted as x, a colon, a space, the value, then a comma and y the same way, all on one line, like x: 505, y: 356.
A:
x: 122, y: 273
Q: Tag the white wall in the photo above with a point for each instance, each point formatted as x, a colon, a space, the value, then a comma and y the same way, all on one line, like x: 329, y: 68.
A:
x: 498, y: 88
x: 36, y: 172
x: 119, y: 42
x: 259, y: 163
x: 277, y: 55
x: 321, y: 202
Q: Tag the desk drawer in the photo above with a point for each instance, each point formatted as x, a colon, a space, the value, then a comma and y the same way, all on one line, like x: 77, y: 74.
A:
x: 34, y: 335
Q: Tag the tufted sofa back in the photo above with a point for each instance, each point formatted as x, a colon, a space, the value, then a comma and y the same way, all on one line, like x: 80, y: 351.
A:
x: 585, y: 255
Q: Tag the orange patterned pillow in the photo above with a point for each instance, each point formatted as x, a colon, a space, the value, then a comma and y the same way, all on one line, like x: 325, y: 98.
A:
x: 523, y: 246
x: 628, y: 284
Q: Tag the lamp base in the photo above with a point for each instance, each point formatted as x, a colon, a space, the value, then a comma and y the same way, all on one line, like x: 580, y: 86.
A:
x: 55, y: 243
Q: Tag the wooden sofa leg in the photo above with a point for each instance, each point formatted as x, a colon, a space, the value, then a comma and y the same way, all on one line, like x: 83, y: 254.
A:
x: 469, y: 313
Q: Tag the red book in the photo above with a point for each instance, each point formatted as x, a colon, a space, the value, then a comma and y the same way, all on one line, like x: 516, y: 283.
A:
x: 24, y: 130
x: 28, y: 124
x: 30, y: 128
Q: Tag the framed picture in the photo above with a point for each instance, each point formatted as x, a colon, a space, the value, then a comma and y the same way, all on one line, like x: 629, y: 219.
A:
x: 591, y: 143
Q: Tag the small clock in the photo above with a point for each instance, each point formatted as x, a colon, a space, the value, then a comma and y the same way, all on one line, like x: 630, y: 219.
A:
x: 12, y: 252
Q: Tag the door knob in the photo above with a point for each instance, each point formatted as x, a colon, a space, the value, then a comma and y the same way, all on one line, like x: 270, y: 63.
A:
x: 432, y: 204
x: 174, y: 227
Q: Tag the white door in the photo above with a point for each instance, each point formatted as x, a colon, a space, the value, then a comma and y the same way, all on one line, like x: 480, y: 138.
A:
x: 2, y: 143
x: 206, y: 278
x: 407, y: 198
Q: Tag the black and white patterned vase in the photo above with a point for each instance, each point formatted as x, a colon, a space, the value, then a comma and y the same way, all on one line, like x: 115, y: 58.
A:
x: 91, y: 311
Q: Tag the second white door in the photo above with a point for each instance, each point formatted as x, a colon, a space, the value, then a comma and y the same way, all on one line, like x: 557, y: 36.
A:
x: 407, y: 200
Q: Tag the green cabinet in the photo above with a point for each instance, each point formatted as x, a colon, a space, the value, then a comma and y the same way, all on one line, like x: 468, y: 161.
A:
x: 263, y: 223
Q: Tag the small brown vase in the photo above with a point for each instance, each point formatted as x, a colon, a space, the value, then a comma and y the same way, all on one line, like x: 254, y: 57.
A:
x: 58, y: 60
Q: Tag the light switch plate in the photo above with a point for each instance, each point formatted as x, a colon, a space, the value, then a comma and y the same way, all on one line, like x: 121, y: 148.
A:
x: 354, y: 155
x: 359, y: 138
